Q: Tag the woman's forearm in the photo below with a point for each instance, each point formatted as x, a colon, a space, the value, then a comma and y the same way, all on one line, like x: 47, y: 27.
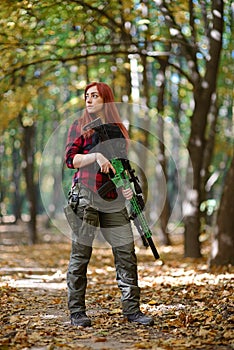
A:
x: 81, y: 160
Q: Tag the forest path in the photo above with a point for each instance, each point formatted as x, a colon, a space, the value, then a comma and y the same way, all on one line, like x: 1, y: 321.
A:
x: 192, y: 305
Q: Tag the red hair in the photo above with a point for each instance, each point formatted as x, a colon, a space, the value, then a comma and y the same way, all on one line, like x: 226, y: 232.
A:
x: 110, y: 110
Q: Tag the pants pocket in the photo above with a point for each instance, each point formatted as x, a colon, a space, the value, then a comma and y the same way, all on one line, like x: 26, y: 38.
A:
x: 72, y: 218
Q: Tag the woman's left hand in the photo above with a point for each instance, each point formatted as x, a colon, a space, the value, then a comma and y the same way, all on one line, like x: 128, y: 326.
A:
x: 127, y: 193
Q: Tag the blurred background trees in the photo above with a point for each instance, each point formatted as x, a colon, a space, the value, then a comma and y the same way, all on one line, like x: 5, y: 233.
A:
x: 173, y: 58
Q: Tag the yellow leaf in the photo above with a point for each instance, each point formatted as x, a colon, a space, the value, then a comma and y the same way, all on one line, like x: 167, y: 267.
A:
x: 115, y: 311
x: 14, y: 319
x: 228, y: 334
x: 99, y: 339
x: 142, y: 345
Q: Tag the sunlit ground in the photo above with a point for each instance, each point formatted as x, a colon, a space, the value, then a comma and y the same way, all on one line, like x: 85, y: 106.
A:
x: 192, y: 304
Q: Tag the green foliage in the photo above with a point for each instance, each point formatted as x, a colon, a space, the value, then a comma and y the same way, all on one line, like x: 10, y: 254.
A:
x: 51, y: 49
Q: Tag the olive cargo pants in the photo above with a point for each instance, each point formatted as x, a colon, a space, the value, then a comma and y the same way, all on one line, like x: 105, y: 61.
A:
x: 93, y: 212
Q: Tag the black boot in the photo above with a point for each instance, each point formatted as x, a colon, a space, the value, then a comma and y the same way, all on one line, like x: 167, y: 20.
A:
x: 80, y: 319
x: 140, y: 318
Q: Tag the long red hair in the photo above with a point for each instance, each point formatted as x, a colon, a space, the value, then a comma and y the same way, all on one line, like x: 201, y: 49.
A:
x: 110, y: 109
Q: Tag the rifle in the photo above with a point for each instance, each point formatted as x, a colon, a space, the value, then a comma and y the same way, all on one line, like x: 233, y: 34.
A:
x: 124, y: 177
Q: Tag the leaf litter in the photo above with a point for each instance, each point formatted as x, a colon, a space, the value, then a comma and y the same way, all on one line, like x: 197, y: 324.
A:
x: 193, y: 305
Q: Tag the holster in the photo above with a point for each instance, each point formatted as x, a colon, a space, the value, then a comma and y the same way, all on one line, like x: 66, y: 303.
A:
x: 70, y: 210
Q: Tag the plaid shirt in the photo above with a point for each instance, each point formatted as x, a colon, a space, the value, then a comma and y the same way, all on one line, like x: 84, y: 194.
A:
x: 89, y: 175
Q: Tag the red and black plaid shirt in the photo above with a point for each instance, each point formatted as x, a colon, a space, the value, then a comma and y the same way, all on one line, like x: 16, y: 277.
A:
x: 89, y: 175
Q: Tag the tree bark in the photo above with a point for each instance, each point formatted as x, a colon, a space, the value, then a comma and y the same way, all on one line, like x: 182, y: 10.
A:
x: 223, y: 244
x: 203, y: 91
x: 17, y: 199
x: 206, y: 184
x: 143, y: 159
x: 165, y: 213
x: 28, y: 155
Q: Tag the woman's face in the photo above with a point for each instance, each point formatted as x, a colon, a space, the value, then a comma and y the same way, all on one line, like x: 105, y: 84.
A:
x: 93, y: 101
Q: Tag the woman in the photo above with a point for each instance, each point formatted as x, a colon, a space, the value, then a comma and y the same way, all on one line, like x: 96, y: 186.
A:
x: 85, y: 153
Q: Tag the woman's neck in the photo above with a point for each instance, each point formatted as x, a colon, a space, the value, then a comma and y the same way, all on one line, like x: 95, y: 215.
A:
x: 102, y: 116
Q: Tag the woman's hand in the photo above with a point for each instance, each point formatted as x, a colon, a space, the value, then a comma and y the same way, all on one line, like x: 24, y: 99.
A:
x: 104, y: 163
x: 127, y: 193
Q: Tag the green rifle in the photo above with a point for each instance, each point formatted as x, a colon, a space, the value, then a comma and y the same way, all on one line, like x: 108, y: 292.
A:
x: 124, y: 177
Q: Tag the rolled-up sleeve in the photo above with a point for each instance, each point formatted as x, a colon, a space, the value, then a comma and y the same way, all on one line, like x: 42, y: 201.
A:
x: 74, y: 144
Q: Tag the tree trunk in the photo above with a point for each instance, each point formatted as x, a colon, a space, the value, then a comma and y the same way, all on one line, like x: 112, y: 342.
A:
x: 223, y: 244
x: 28, y: 155
x: 203, y: 91
x: 207, y: 181
x: 165, y: 213
x: 17, y: 204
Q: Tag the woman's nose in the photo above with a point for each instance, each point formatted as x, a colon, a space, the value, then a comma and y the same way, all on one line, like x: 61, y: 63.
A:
x: 88, y: 99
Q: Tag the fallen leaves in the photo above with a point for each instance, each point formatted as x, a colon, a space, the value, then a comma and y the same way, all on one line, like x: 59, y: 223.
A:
x: 193, y: 307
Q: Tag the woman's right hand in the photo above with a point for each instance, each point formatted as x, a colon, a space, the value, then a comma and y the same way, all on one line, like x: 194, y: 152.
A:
x: 104, y: 163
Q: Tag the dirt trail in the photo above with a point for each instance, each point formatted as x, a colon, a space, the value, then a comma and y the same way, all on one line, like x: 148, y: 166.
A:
x: 192, y: 305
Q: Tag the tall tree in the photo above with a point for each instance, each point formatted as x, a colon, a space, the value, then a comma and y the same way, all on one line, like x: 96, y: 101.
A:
x: 223, y: 244
x: 203, y: 79
x: 204, y: 90
x: 28, y: 149
x: 57, y: 46
x: 165, y: 214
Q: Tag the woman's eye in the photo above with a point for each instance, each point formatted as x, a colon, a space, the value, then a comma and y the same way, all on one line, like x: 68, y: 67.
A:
x: 95, y: 96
